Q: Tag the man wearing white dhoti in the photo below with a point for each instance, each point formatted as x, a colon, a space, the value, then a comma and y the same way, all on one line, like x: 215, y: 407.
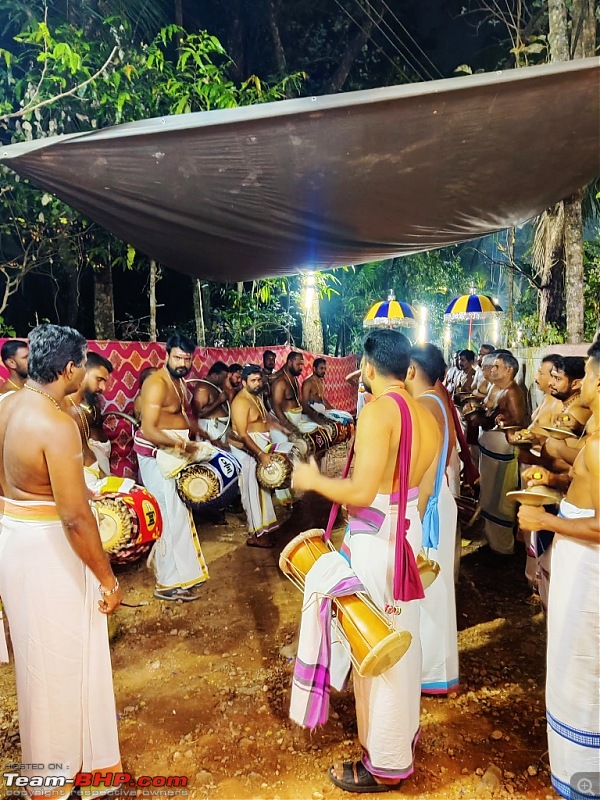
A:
x: 286, y: 398
x: 176, y: 558
x: 313, y: 395
x: 573, y: 667
x: 393, y: 476
x: 82, y: 406
x: 439, y: 639
x: 210, y: 403
x: 498, y: 465
x: 254, y: 439
x: 56, y: 582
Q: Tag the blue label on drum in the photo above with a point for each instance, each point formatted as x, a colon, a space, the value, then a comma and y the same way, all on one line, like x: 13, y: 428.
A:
x: 226, y: 466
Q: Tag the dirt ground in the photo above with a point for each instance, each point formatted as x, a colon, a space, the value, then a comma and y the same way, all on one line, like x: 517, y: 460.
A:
x: 202, y: 688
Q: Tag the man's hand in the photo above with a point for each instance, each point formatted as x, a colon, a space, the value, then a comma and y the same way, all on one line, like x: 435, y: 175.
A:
x: 524, y: 435
x: 532, y: 518
x: 537, y: 476
x: 304, y: 476
x: 110, y: 602
x: 567, y: 422
x: 264, y: 459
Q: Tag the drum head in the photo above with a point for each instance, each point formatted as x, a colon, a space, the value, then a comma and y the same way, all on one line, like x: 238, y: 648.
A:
x: 115, y: 523
x: 198, y: 485
x: 277, y: 474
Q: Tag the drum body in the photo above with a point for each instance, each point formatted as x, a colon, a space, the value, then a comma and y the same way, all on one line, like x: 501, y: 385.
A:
x: 210, y: 485
x: 129, y: 519
x: 277, y: 474
x: 320, y: 439
x: 375, y: 644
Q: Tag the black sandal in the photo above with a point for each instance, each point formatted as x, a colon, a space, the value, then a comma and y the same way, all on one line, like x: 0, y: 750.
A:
x: 358, y: 779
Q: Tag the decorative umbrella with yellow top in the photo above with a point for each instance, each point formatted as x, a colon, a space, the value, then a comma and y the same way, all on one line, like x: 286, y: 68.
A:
x: 390, y: 313
x: 471, y: 307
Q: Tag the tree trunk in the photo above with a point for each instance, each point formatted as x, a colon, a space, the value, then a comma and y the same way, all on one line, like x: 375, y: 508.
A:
x: 558, y: 33
x: 312, y: 327
x: 236, y: 41
x: 104, y: 307
x: 583, y: 37
x: 355, y: 46
x: 574, y: 273
x: 275, y: 35
x: 152, y: 294
x: 199, y: 312
x: 179, y: 13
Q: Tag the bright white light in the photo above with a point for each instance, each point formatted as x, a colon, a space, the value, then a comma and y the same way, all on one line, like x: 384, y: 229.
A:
x: 447, y: 335
x: 496, y: 333
x: 309, y: 290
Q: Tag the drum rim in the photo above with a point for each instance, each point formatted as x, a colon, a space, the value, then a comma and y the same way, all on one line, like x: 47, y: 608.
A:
x: 287, y: 465
x: 110, y: 544
x: 311, y: 533
x: 397, y: 639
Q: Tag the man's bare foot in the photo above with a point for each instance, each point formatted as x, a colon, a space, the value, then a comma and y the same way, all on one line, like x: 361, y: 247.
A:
x: 264, y: 541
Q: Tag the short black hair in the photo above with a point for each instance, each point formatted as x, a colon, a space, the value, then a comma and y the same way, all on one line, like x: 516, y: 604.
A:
x: 269, y: 353
x: 51, y: 348
x: 234, y: 368
x: 468, y: 354
x: 594, y: 354
x: 502, y: 350
x: 293, y: 356
x: 317, y: 362
x: 430, y: 359
x: 388, y: 351
x: 573, y: 367
x: 182, y: 342
x: 507, y: 358
x: 11, y: 348
x: 96, y: 360
x: 251, y: 369
x: 555, y: 359
x: 218, y: 368
x: 489, y: 347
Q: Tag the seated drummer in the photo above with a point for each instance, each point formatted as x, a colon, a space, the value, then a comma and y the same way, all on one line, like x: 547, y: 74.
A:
x: 83, y: 406
x: 252, y: 441
x: 313, y: 395
x: 210, y: 402
x: 176, y: 558
x: 286, y: 398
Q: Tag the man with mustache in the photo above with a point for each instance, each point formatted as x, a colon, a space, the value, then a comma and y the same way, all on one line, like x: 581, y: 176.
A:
x: 176, y: 558
x: 83, y: 407
x: 14, y: 357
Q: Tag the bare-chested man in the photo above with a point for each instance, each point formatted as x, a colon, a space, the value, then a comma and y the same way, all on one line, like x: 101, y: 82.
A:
x: 83, y: 407
x: 233, y: 381
x: 14, y: 357
x: 387, y: 706
x: 498, y: 465
x: 313, y: 395
x: 253, y: 429
x: 211, y: 403
x: 56, y: 581
x: 286, y: 398
x: 439, y: 638
x: 177, y: 557
x: 565, y: 384
x: 572, y: 675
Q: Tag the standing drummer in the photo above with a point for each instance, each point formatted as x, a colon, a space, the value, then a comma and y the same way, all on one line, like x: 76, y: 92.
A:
x: 176, y: 558
x: 252, y: 428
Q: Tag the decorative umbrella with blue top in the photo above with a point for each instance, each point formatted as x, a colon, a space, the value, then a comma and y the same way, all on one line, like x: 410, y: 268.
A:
x: 390, y: 313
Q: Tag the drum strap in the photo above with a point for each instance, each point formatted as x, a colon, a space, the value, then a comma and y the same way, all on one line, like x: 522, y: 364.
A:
x: 471, y: 474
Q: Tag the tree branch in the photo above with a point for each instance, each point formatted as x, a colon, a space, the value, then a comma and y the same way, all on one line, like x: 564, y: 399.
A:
x: 29, y: 108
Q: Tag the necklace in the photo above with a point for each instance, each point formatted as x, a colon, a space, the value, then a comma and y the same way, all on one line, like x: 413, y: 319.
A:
x: 12, y: 383
x: 260, y: 405
x: 394, y: 385
x: 180, y: 391
x: 292, y: 384
x: 45, y: 394
x: 427, y: 391
x: 85, y: 425
x: 321, y: 385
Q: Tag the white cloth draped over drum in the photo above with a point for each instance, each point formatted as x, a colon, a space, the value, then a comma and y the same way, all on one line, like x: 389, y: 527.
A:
x: 215, y: 427
x: 573, y: 673
x: 67, y: 715
x: 176, y: 558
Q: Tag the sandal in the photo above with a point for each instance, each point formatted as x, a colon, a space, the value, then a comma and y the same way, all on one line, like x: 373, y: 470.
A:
x: 358, y: 779
x: 184, y: 595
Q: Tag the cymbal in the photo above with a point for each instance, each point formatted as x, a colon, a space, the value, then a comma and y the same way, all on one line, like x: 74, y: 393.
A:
x: 505, y: 428
x: 536, y: 496
x: 475, y: 410
x: 535, y: 451
x: 560, y: 433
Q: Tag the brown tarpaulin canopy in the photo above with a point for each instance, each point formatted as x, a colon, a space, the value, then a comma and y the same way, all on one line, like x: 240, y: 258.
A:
x: 326, y: 181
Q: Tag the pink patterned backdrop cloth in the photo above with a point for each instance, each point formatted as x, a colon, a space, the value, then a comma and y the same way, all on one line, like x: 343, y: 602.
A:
x: 130, y: 358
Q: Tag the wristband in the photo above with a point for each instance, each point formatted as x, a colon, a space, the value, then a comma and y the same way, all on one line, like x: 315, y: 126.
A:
x: 114, y: 590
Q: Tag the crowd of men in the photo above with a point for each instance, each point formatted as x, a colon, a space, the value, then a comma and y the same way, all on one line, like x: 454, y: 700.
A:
x: 400, y: 499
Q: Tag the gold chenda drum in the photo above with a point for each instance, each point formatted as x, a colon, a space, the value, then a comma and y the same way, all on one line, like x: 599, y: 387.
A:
x: 277, y: 474
x: 375, y: 645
